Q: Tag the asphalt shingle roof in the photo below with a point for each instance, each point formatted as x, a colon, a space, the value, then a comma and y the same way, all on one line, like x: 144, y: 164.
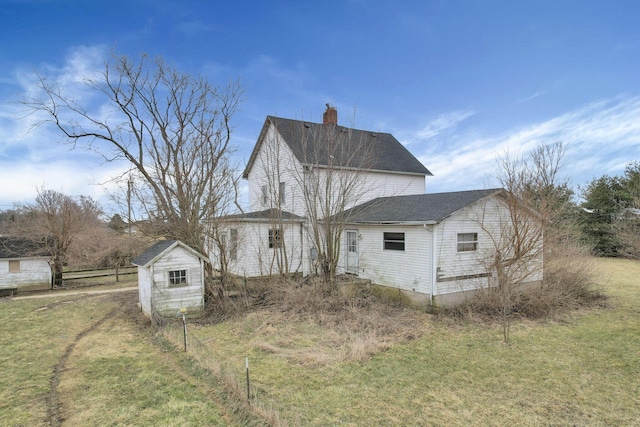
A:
x: 339, y: 146
x: 268, y: 214
x: 155, y: 250
x: 415, y: 208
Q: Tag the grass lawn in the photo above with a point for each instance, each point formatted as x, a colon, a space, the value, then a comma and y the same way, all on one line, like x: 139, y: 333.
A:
x: 583, y: 369
x: 86, y: 361
x: 90, y: 360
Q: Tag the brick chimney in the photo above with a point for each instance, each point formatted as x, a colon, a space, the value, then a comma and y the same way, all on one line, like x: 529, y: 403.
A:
x: 330, y: 116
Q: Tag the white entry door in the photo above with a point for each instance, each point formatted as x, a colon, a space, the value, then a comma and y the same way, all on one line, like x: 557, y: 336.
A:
x: 352, y: 251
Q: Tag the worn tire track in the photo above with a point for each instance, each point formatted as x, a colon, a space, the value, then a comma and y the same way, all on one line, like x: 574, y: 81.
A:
x: 54, y: 404
x: 125, y: 308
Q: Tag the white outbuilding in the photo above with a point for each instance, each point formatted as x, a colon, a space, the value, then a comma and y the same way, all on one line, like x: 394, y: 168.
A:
x: 170, y: 278
x: 24, y: 265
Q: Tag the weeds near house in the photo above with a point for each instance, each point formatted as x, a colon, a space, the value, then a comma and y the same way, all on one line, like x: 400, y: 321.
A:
x: 318, y: 368
x: 568, y: 285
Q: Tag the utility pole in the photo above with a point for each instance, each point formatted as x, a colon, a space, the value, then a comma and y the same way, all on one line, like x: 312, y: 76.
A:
x: 129, y: 187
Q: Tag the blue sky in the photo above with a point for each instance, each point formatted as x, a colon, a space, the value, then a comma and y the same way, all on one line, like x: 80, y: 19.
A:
x: 458, y: 82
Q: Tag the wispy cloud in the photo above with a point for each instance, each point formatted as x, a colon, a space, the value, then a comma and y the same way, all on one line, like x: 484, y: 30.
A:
x: 443, y: 123
x: 31, y: 156
x: 530, y: 97
x: 600, y: 139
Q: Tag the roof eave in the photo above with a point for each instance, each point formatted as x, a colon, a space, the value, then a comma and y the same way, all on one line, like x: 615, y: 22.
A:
x: 396, y: 223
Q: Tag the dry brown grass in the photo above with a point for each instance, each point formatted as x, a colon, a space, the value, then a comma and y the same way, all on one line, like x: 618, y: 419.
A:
x: 568, y: 285
x: 359, y: 325
x: 312, y: 369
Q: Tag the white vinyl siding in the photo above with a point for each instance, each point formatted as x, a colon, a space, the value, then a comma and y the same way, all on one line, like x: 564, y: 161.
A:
x: 256, y: 258
x: 274, y: 177
x: 409, y: 269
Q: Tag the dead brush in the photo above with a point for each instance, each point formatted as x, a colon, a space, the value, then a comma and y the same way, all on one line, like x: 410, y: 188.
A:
x: 568, y: 285
x: 356, y: 326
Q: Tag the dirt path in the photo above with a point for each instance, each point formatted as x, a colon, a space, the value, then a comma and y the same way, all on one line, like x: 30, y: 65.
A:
x: 61, y: 293
x: 54, y: 409
x: 60, y: 405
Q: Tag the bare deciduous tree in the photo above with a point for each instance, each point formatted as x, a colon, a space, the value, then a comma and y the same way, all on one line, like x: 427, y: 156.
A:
x: 537, y: 203
x: 173, y: 129
x: 333, y: 179
x: 56, y: 220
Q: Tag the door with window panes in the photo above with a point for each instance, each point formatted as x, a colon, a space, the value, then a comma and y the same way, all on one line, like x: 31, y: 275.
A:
x: 352, y: 251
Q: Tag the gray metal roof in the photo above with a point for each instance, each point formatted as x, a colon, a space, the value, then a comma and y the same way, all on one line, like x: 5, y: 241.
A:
x: 341, y: 147
x: 415, y: 208
x: 17, y: 247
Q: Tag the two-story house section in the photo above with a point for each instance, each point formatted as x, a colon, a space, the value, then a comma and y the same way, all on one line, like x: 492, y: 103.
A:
x: 300, y: 169
x: 288, y: 152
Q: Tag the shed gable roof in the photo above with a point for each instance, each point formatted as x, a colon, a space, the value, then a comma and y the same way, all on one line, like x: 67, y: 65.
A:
x: 309, y: 144
x: 18, y: 247
x: 433, y: 207
x: 158, y: 249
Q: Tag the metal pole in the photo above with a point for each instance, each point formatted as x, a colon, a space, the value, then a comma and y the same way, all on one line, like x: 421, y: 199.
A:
x: 247, y: 366
x: 184, y: 328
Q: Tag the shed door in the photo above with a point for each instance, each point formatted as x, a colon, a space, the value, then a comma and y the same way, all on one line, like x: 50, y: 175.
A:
x: 352, y: 251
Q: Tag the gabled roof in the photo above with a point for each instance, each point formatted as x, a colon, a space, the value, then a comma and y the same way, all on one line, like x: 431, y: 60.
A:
x: 265, y: 215
x: 158, y: 249
x: 419, y: 208
x: 18, y: 247
x: 351, y: 148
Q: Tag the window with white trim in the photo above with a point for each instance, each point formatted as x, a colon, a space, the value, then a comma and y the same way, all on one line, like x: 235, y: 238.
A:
x: 393, y: 241
x: 467, y: 242
x: 177, y: 278
x: 275, y: 238
x: 265, y: 195
x: 233, y: 250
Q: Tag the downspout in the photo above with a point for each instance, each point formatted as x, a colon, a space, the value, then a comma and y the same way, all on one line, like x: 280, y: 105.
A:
x: 434, y: 263
x: 302, y: 260
x: 433, y: 260
x: 152, y: 284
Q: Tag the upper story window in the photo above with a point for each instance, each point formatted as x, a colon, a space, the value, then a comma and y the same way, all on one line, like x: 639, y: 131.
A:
x: 265, y: 195
x: 467, y: 242
x: 281, y: 194
x: 393, y: 241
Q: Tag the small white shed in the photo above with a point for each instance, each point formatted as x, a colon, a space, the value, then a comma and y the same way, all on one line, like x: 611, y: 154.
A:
x: 170, y: 277
x: 24, y: 265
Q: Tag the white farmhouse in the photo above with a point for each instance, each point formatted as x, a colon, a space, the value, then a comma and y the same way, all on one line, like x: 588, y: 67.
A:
x: 24, y: 265
x: 170, y: 278
x: 436, y: 248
